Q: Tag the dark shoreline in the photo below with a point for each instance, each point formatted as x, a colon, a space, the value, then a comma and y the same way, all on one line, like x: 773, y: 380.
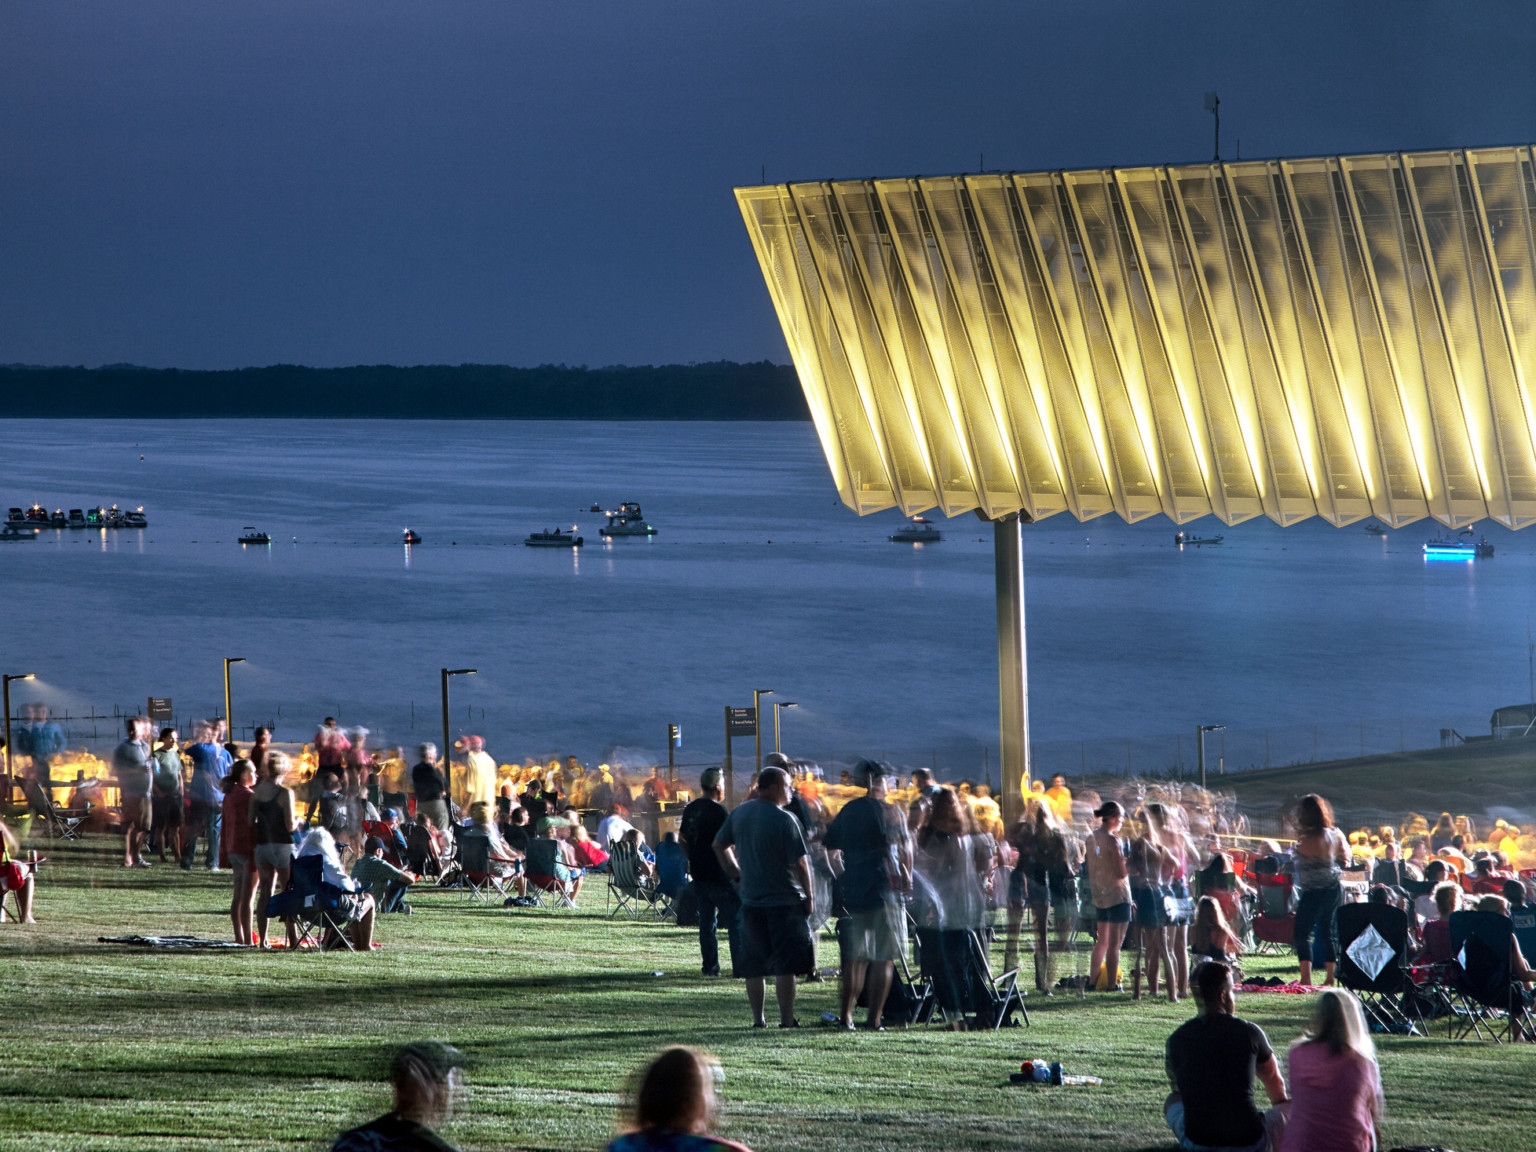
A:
x: 723, y: 390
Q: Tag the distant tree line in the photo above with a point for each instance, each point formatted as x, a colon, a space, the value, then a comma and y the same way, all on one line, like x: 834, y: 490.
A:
x: 722, y: 390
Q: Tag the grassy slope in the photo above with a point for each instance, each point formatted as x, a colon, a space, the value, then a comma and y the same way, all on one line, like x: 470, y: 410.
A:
x: 109, y: 1048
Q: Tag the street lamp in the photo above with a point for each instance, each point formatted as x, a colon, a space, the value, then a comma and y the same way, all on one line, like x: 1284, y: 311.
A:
x: 777, y: 711
x: 757, y: 723
x: 8, y: 680
x: 447, y: 747
x: 228, y: 719
x: 1200, y: 738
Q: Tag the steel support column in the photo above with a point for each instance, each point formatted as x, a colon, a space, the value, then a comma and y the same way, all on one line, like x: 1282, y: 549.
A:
x: 1012, y: 664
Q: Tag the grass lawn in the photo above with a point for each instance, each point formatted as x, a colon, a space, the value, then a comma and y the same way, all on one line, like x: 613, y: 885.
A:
x: 108, y: 1047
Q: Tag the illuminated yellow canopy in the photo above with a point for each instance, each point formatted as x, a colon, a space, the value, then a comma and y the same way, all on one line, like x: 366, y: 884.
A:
x: 1342, y: 337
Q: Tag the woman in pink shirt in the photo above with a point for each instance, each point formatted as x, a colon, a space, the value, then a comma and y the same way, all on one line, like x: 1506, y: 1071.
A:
x: 1335, y: 1085
x: 235, y: 847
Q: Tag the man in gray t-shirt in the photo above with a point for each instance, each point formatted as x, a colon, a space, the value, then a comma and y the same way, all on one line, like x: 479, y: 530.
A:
x: 135, y: 773
x: 760, y: 846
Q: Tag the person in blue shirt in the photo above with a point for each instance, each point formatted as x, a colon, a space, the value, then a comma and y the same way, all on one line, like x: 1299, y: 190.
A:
x: 671, y: 866
x: 47, y: 740
x: 210, y: 764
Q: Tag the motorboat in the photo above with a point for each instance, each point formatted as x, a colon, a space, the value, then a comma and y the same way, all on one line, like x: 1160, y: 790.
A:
x: 76, y: 518
x: 412, y: 537
x: 14, y: 531
x: 919, y: 531
x: 135, y: 519
x: 251, y: 536
x: 1181, y: 539
x: 627, y: 521
x: 37, y: 514
x: 1456, y: 548
x: 96, y: 518
x: 1375, y: 529
x: 58, y: 519
x: 554, y: 538
x: 595, y: 508
x: 16, y: 516
x: 114, y: 518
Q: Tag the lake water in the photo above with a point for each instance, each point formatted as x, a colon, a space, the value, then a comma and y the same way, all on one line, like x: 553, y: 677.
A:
x: 758, y: 578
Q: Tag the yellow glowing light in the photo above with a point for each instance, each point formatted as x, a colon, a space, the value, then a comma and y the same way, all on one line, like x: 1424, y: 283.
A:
x: 1338, y: 336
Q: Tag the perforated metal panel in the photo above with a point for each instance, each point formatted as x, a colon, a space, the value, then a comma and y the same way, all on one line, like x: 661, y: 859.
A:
x: 1341, y: 337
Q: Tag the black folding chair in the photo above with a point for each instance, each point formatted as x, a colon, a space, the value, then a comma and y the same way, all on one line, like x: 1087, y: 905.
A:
x: 991, y: 999
x: 1373, y: 964
x: 1489, y: 1001
x: 310, y: 903
x: 480, y: 879
x: 57, y: 823
x: 629, y: 890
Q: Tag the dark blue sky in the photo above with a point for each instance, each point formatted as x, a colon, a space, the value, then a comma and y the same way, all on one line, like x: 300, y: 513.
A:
x: 216, y: 185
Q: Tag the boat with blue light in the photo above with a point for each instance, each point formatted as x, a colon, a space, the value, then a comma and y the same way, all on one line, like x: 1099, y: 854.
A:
x: 1457, y: 548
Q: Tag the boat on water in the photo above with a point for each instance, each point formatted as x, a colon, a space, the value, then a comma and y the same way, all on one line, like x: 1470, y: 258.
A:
x: 37, y: 514
x: 58, y: 519
x: 412, y: 537
x: 96, y: 517
x: 627, y: 521
x: 1375, y: 529
x: 16, y: 516
x: 1183, y: 539
x: 595, y: 508
x: 554, y: 538
x: 251, y: 536
x: 114, y: 517
x: 135, y: 519
x: 13, y: 531
x: 76, y: 518
x: 919, y: 531
x: 1458, y: 548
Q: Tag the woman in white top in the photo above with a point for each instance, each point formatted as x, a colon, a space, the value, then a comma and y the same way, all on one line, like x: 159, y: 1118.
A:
x: 1109, y: 882
x: 353, y: 904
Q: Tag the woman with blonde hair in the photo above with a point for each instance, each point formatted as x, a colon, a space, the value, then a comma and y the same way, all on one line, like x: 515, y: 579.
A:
x: 674, y: 1106
x: 1211, y: 938
x: 1336, y: 1099
x: 272, y: 819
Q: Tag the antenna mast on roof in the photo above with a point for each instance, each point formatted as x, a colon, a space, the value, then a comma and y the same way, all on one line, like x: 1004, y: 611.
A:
x: 1213, y: 106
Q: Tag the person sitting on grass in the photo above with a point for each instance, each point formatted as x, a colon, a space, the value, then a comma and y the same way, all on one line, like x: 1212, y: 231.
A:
x: 15, y: 876
x: 674, y: 1107
x: 1437, y: 932
x: 354, y: 907
x: 381, y: 879
x: 1336, y: 1099
x: 1210, y: 938
x: 1212, y: 1061
x: 424, y: 1077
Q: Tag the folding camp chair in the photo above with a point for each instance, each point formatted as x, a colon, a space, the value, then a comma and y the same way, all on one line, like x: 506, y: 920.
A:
x: 475, y: 862
x: 541, y: 869
x: 395, y: 848
x: 1373, y: 959
x: 628, y: 890
x: 1489, y: 1000
x: 991, y: 999
x: 58, y: 823
x: 1274, y: 919
x: 310, y: 903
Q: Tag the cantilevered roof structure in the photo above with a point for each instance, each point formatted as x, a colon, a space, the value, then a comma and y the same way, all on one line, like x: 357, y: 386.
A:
x: 1342, y: 337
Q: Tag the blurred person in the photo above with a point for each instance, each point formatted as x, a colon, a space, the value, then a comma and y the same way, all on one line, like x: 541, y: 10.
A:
x: 273, y: 817
x: 168, y: 794
x: 479, y: 775
x: 1391, y: 869
x: 424, y: 1077
x: 1441, y: 835
x: 719, y: 906
x: 923, y: 790
x: 210, y: 764
x: 393, y: 836
x: 1110, y: 886
x: 1484, y: 881
x: 950, y: 863
x: 135, y: 782
x: 394, y: 781
x: 381, y: 879
x: 674, y: 1107
x: 1210, y: 938
x: 355, y: 760
x: 1423, y: 891
x: 872, y: 855
x: 585, y: 849
x: 1150, y: 866
x: 237, y: 845
x: 1321, y: 855
x: 671, y: 866
x: 1336, y: 1099
x: 1172, y: 823
x: 260, y: 746
x: 1212, y: 1062
x: 354, y: 907
x: 429, y: 786
x: 334, y: 806
x: 1059, y: 797
x: 331, y: 746
x: 46, y: 741
x: 613, y: 827
x: 1043, y: 879
x: 762, y: 849
x: 15, y: 875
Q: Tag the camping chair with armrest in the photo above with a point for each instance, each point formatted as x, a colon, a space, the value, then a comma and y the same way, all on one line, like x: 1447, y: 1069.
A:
x: 310, y: 902
x: 1274, y: 919
x: 480, y: 878
x: 541, y: 869
x: 57, y: 822
x: 1481, y: 981
x: 992, y: 1000
x: 395, y: 848
x: 1373, y: 964
x: 628, y: 888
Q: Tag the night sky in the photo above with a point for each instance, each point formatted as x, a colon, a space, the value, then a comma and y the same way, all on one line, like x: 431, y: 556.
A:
x: 217, y: 185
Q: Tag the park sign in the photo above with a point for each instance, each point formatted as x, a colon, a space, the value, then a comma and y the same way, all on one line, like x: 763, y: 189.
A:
x: 1339, y: 336
x: 741, y: 722
x: 160, y: 711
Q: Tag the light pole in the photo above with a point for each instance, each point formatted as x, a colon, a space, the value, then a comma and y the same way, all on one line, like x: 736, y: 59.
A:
x: 777, y: 711
x: 228, y: 719
x: 8, y: 680
x: 757, y: 723
x: 447, y: 747
x: 1200, y: 738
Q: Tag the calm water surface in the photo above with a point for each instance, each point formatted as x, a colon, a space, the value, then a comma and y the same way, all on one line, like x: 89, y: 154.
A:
x: 759, y: 578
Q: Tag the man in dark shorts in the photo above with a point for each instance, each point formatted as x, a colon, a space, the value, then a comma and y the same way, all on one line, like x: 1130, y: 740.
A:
x: 1212, y: 1061
x: 761, y: 847
x: 135, y: 776
x: 424, y: 1077
x: 868, y: 840
x: 718, y: 905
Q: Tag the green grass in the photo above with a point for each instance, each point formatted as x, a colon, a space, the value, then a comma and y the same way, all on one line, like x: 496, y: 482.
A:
x: 107, y: 1047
